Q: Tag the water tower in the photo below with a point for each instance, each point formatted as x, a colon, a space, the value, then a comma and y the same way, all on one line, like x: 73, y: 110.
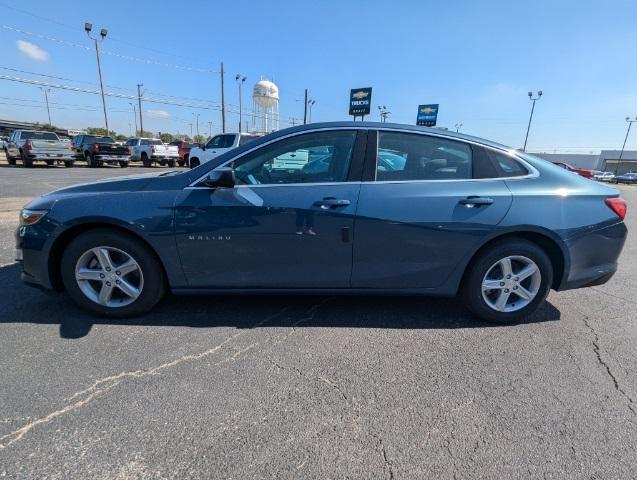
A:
x: 265, y: 105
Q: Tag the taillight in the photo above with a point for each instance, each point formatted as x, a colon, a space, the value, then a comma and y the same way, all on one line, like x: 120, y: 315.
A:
x: 96, y: 148
x: 29, y: 146
x: 130, y: 151
x: 617, y: 205
x: 152, y: 148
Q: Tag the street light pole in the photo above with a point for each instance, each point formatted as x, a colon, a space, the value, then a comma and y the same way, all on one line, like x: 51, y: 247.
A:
x: 305, y: 108
x: 210, y: 129
x: 539, y: 95
x: 458, y: 127
x: 384, y: 113
x: 134, y: 115
x: 87, y: 28
x: 139, y: 100
x: 309, y: 111
x: 240, y: 79
x: 197, y: 120
x: 46, y: 100
x: 621, y: 154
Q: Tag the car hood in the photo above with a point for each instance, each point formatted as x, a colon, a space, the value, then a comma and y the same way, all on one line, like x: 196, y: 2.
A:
x: 129, y: 183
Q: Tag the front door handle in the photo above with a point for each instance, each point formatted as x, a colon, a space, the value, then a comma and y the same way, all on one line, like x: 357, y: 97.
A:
x: 473, y: 201
x: 331, y: 202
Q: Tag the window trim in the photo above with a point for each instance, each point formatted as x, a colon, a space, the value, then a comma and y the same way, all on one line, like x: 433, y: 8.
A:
x: 533, y: 172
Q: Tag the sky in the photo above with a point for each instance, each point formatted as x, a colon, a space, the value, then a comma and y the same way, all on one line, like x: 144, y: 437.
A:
x: 477, y: 59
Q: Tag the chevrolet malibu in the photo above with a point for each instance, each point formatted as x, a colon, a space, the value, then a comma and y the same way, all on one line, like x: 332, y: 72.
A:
x: 373, y: 209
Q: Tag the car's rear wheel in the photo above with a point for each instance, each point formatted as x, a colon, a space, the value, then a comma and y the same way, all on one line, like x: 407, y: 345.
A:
x: 145, y: 160
x: 508, y: 281
x: 69, y: 163
x: 112, y: 274
x: 26, y: 161
x: 50, y: 163
x: 171, y: 164
x: 123, y: 164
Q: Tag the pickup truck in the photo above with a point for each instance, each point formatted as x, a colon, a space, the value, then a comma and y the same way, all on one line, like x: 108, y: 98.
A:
x: 149, y: 150
x: 184, y: 148
x: 32, y: 145
x: 97, y: 151
x: 217, y: 145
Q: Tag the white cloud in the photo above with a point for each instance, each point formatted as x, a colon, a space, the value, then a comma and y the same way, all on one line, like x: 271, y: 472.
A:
x: 32, y: 51
x: 158, y: 113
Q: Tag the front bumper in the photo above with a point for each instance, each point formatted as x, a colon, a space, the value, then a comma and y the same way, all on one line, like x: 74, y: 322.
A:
x: 593, y: 256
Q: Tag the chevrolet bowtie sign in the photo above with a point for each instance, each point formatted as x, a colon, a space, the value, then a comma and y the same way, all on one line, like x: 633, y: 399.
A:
x: 427, y: 115
x: 360, y: 101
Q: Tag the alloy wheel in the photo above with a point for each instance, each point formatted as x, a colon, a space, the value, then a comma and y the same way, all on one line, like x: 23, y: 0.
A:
x: 109, y: 276
x: 511, y: 283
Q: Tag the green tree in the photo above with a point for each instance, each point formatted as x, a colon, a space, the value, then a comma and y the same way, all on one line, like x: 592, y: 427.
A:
x: 121, y: 138
x: 166, y: 137
x: 200, y: 139
x: 100, y: 131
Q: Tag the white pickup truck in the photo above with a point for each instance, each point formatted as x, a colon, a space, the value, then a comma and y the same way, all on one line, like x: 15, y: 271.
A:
x: 218, y: 145
x: 32, y: 146
x: 149, y: 150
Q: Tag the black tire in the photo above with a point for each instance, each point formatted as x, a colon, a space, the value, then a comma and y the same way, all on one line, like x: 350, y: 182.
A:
x: 146, y: 161
x: 123, y: 164
x: 154, y: 284
x: 194, y: 162
x: 26, y: 161
x: 10, y: 159
x: 50, y: 163
x: 181, y: 163
x: 69, y: 163
x: 89, y: 160
x: 472, y: 283
x: 171, y: 164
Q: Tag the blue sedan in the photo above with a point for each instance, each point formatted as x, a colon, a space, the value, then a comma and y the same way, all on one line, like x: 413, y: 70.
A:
x: 366, y: 208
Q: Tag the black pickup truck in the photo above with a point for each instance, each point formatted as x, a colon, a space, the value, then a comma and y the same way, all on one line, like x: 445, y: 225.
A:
x: 98, y: 150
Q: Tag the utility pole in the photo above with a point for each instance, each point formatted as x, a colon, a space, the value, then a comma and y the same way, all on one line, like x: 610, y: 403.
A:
x: 458, y: 127
x: 305, y: 108
x: 621, y: 154
x: 87, y: 28
x: 223, y: 104
x: 139, y: 99
x: 240, y: 79
x: 46, y: 99
x: 197, y: 120
x: 539, y: 95
x: 191, y: 136
x: 210, y: 129
x: 134, y: 115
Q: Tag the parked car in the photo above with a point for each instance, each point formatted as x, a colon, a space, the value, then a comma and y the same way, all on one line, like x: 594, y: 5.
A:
x: 3, y: 142
x: 630, y: 177
x: 152, y: 150
x: 38, y: 146
x: 579, y: 171
x: 218, y: 145
x: 183, y: 149
x: 98, y: 150
x: 460, y: 215
x: 604, y: 177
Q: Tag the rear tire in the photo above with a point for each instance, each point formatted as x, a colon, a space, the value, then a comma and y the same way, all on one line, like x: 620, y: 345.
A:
x: 147, y: 278
x: 69, y: 163
x: 90, y: 161
x: 26, y: 161
x: 50, y: 163
x: 123, y: 164
x: 171, y: 164
x: 145, y: 160
x: 485, y: 271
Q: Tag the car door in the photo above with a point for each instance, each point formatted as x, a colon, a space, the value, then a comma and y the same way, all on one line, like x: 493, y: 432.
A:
x: 276, y: 228
x: 427, y: 204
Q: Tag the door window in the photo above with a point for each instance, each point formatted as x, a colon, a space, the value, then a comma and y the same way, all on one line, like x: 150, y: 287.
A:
x: 322, y: 157
x: 221, y: 141
x: 406, y: 156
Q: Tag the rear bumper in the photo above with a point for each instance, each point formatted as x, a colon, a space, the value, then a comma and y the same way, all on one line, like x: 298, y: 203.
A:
x: 51, y: 156
x: 593, y: 256
x: 112, y: 158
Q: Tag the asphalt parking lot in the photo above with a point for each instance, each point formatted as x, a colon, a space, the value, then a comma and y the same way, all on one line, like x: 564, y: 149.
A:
x: 312, y: 387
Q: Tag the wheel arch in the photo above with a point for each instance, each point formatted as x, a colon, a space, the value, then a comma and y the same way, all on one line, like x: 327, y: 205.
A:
x: 553, y: 247
x: 61, y: 241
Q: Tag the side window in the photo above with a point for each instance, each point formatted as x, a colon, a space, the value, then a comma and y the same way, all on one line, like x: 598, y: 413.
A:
x: 214, y: 142
x: 144, y: 142
x: 408, y: 156
x: 506, y: 165
x: 227, y: 141
x: 311, y: 158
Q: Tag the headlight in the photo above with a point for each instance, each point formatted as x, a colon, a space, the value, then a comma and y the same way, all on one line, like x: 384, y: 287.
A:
x: 31, y: 217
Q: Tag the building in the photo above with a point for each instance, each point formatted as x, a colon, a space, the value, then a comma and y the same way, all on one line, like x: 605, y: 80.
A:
x: 606, y: 161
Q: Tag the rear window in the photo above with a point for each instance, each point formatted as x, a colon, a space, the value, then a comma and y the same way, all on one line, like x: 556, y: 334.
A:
x: 38, y: 136
x: 96, y: 139
x: 507, y: 166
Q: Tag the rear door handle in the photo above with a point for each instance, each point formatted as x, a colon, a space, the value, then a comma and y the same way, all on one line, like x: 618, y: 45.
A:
x: 331, y: 202
x: 473, y: 201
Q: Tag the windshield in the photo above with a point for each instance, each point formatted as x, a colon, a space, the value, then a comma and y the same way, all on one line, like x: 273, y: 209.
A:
x: 39, y: 136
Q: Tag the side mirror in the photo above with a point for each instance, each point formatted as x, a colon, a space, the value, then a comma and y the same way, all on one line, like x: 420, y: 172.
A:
x: 220, y: 178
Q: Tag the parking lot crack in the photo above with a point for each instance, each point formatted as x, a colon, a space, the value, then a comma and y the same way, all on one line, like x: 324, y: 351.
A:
x: 606, y: 367
x: 389, y: 467
x: 102, y: 386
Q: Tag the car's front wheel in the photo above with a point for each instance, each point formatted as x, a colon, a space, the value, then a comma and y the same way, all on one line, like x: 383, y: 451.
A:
x: 508, y: 281
x: 112, y: 274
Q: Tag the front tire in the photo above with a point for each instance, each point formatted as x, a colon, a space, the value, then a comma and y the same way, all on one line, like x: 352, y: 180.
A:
x: 194, y: 162
x: 112, y: 274
x: 508, y: 281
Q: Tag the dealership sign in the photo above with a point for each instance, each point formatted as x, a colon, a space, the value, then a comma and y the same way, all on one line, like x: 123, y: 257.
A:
x: 427, y: 115
x: 360, y: 101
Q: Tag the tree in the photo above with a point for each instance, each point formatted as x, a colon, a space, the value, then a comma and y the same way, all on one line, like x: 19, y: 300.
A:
x: 121, y: 138
x: 166, y: 137
x: 99, y: 131
x: 200, y: 139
